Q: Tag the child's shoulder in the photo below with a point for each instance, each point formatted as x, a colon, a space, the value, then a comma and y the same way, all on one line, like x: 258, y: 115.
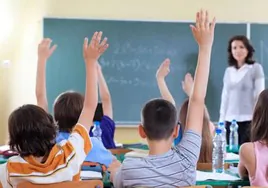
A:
x: 107, y: 119
x: 134, y: 162
x: 3, y: 175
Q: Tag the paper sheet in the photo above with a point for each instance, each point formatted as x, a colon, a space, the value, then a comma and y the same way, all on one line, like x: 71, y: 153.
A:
x: 138, y: 153
x: 231, y: 156
x: 202, y: 176
x: 4, y: 147
x: 86, y: 175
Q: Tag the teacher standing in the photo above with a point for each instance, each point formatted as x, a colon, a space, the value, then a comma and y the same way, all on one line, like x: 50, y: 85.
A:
x: 242, y: 83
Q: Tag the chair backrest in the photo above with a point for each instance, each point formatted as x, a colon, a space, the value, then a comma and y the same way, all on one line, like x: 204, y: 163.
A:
x: 119, y: 151
x: 208, y: 166
x: 70, y: 184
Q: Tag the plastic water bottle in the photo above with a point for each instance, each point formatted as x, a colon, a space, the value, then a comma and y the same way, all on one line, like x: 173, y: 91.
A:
x: 221, y: 126
x: 218, y: 152
x: 233, y: 139
x: 97, y: 130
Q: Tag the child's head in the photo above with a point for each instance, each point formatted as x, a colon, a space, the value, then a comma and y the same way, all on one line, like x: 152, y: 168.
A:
x: 159, y: 120
x: 206, y: 147
x: 259, y: 129
x: 67, y: 109
x: 31, y: 131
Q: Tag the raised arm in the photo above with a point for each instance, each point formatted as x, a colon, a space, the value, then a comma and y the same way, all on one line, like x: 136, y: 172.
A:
x: 161, y: 74
x: 187, y: 84
x: 91, y: 52
x: 44, y: 52
x: 203, y: 33
x: 105, y: 94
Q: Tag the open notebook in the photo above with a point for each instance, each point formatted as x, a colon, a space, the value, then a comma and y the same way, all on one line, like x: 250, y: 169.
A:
x: 89, y: 175
x: 232, y: 156
x: 202, y: 176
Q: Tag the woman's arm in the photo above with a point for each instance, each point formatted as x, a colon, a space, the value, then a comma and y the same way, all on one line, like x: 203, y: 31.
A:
x: 161, y: 73
x: 259, y: 81
x: 224, y: 96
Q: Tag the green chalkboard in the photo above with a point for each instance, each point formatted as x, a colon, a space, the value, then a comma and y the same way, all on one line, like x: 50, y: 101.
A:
x: 136, y: 50
x: 259, y: 39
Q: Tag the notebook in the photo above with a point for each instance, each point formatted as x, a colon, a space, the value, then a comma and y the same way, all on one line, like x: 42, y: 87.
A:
x: 231, y: 156
x: 202, y: 176
x: 89, y: 175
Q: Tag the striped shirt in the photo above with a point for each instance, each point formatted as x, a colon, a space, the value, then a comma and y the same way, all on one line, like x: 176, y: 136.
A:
x: 175, y: 168
x: 63, y: 163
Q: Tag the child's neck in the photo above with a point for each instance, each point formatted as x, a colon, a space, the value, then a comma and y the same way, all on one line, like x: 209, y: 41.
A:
x: 159, y: 147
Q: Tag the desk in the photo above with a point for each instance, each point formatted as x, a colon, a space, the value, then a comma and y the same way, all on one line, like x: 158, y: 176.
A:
x: 107, y: 183
x: 224, y: 183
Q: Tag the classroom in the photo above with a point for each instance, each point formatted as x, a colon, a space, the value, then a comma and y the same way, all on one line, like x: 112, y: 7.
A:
x: 141, y: 35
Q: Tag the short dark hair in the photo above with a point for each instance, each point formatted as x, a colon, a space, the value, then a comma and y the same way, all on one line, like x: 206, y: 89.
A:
x: 31, y: 131
x: 67, y: 109
x: 159, y: 118
x: 259, y: 129
x: 249, y: 59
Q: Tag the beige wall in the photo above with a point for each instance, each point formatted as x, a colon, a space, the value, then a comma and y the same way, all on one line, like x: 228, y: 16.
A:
x: 21, y: 29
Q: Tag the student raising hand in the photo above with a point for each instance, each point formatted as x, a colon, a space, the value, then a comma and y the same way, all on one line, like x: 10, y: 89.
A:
x: 161, y: 74
x: 95, y: 48
x: 91, y: 52
x: 187, y: 84
x: 163, y: 70
x: 203, y: 32
x: 45, y: 50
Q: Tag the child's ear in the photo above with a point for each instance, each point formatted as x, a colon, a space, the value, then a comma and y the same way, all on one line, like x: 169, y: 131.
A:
x: 141, y: 132
x: 176, y: 131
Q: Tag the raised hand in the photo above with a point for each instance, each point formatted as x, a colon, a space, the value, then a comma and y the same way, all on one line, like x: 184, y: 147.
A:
x: 187, y: 84
x: 203, y: 31
x: 95, y: 48
x: 45, y: 50
x: 163, y: 70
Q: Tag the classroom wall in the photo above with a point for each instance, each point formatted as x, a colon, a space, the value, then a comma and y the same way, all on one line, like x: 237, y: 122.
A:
x: 21, y: 30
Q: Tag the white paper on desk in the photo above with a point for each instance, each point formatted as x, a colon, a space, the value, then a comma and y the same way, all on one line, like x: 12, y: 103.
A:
x: 231, y: 156
x: 138, y: 153
x: 202, y: 176
x: 87, y: 175
x: 4, y: 147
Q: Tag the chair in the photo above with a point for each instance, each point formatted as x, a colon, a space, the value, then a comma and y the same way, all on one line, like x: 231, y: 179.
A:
x: 70, y: 184
x: 208, y: 166
x: 120, y: 153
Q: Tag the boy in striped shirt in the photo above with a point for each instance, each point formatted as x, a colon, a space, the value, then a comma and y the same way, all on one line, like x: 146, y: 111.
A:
x: 32, y: 134
x: 166, y: 166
